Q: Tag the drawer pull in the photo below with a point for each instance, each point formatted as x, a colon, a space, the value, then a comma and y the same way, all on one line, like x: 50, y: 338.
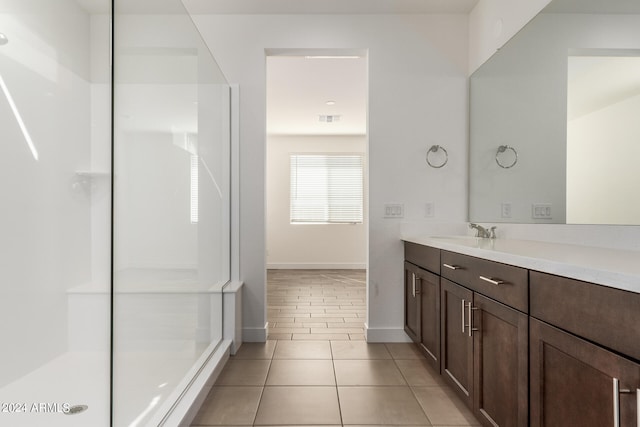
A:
x: 492, y: 281
x: 452, y: 267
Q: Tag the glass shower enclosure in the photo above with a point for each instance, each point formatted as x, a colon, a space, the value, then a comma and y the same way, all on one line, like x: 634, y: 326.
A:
x: 115, y: 184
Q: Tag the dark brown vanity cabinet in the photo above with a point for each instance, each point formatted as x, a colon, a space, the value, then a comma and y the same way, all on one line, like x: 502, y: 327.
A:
x: 500, y: 363
x: 577, y: 383
x: 584, y: 348
x: 457, y: 346
x: 412, y: 301
x: 422, y: 300
x: 485, y: 342
x: 522, y: 347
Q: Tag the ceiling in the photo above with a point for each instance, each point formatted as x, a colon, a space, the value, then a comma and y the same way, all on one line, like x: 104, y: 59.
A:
x: 281, y: 6
x: 329, y: 6
x: 596, y: 82
x: 594, y: 6
x: 299, y: 87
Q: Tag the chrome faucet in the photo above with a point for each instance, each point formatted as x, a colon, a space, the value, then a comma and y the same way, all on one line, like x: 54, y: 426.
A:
x: 483, y: 232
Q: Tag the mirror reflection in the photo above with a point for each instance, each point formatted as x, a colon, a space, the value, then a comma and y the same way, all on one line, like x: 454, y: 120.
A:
x: 564, y: 94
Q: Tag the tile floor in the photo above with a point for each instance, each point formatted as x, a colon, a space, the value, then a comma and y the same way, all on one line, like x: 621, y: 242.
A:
x: 316, y: 304
x: 313, y: 376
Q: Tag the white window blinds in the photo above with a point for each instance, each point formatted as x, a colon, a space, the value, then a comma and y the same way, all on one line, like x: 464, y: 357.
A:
x: 326, y: 188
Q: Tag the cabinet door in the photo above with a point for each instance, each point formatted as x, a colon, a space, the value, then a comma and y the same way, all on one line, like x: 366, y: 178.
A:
x: 411, y: 302
x: 500, y: 368
x: 429, y: 285
x: 456, y: 343
x: 577, y: 383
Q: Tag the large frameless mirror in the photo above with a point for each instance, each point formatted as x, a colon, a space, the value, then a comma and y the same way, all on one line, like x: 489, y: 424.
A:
x: 564, y: 94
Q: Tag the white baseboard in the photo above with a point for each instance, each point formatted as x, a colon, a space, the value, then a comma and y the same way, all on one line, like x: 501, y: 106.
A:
x: 254, y: 334
x: 316, y: 266
x: 385, y: 335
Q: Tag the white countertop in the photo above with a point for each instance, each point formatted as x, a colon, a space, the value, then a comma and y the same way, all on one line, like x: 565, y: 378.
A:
x: 610, y: 267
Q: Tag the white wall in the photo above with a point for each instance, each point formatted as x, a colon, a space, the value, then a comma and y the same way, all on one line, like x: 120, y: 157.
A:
x: 46, y: 217
x: 493, y: 22
x: 417, y: 98
x: 602, y: 165
x: 308, y: 245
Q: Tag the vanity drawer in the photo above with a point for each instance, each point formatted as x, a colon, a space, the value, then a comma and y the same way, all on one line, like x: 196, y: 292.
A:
x: 503, y: 283
x: 422, y: 256
x: 598, y: 313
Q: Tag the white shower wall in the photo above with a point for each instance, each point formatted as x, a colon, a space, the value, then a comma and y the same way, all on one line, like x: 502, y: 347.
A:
x: 47, y: 238
x: 55, y: 220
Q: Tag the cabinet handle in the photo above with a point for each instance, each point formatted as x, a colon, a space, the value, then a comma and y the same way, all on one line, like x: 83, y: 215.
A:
x: 638, y: 406
x: 464, y: 303
x: 616, y: 402
x: 413, y: 281
x: 492, y: 281
x: 452, y: 267
x: 471, y: 328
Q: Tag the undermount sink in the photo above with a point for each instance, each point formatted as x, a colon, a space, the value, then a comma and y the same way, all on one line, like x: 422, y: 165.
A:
x: 461, y: 239
x: 469, y: 241
x: 455, y: 237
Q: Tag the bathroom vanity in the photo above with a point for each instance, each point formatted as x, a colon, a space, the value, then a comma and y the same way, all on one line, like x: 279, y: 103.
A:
x: 529, y: 333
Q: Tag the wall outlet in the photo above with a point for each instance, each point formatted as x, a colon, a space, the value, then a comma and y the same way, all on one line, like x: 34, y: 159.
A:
x: 541, y: 211
x: 393, y: 210
x: 506, y: 210
x: 429, y: 210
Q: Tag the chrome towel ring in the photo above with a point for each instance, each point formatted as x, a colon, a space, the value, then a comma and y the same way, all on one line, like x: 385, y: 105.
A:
x: 435, y: 149
x: 502, y: 149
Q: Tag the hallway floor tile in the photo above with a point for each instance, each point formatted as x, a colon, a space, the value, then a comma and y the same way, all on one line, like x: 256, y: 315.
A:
x: 327, y: 379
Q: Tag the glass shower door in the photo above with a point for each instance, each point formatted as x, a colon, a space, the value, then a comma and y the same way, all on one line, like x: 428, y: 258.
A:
x: 171, y: 207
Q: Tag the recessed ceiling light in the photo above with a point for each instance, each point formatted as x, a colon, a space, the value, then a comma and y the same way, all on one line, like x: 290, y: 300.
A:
x: 330, y: 102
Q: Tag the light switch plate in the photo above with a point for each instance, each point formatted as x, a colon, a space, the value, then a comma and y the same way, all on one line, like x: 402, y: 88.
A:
x: 541, y: 211
x: 393, y: 210
x: 506, y: 210
x: 429, y: 210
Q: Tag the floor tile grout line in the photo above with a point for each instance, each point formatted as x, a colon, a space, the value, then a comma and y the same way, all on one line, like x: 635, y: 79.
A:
x: 413, y: 393
x: 255, y: 416
x: 335, y: 378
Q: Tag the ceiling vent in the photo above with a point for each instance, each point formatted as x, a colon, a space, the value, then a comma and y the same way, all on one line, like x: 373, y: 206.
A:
x: 329, y: 119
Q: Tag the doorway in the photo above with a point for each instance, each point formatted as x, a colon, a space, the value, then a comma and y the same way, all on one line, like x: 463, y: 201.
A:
x: 316, y: 194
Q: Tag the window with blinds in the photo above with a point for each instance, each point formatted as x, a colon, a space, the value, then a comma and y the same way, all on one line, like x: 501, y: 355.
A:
x: 326, y: 188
